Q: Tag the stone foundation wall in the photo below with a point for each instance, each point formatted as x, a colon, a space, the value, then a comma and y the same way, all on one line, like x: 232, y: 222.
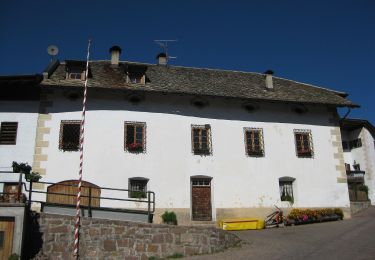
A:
x: 107, y: 239
x: 357, y: 207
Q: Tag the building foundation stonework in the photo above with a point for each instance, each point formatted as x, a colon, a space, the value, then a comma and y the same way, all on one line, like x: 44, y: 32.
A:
x: 104, y: 239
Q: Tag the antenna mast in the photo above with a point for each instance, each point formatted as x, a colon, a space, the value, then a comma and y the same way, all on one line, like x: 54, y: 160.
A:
x: 164, y: 45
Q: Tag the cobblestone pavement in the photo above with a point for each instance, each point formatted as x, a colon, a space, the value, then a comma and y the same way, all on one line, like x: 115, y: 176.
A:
x: 348, y: 239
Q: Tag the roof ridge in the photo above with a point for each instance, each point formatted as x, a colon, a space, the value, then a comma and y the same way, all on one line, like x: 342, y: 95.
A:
x: 238, y: 71
x: 314, y: 86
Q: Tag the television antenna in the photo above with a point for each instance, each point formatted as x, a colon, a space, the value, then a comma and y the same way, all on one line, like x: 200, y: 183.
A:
x: 53, y: 51
x: 164, y: 45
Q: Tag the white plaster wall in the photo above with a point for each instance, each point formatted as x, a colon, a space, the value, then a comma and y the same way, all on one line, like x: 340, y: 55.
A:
x: 369, y: 163
x: 26, y: 114
x: 364, y: 155
x: 238, y: 180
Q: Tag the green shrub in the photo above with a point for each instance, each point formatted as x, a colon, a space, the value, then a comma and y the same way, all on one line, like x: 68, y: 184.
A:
x: 25, y: 169
x: 169, y: 218
x: 14, y: 257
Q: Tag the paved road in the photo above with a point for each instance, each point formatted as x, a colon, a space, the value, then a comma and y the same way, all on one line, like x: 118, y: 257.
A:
x: 347, y: 239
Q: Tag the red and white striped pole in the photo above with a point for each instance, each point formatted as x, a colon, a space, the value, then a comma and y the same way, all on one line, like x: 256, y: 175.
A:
x: 81, y: 141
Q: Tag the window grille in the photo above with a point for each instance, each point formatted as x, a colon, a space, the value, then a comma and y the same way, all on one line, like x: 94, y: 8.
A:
x: 8, y: 133
x: 254, y: 142
x: 303, y: 141
x: 69, y: 135
x: 138, y: 187
x: 201, y: 139
x: 286, y: 189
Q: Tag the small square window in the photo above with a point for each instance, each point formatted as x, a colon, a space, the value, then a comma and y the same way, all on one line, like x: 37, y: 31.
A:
x: 201, y: 139
x: 254, y: 142
x: 138, y: 187
x: 303, y: 141
x: 135, y: 133
x: 8, y: 133
x: 69, y: 135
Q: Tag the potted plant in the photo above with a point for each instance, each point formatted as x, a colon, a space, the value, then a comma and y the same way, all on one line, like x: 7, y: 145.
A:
x: 34, y: 177
x: 137, y: 194
x: 169, y: 218
x: 135, y: 147
x: 25, y: 169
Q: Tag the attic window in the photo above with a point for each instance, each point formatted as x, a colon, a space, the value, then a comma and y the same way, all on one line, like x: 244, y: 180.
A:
x: 75, y: 70
x: 136, y: 78
x: 75, y: 73
x: 136, y: 74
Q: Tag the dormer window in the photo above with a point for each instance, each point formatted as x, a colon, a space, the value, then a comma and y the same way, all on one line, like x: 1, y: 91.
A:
x: 135, y: 74
x: 75, y: 70
x: 136, y: 78
x: 76, y: 73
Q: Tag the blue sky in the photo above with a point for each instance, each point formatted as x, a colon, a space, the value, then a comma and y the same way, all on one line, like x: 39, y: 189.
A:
x: 324, y: 43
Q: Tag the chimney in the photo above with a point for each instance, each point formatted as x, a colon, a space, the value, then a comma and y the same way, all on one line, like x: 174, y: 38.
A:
x: 269, y: 83
x: 162, y: 58
x: 115, y: 55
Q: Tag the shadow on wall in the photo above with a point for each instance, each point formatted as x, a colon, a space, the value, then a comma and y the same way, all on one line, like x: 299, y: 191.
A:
x: 216, y: 108
x: 33, y: 242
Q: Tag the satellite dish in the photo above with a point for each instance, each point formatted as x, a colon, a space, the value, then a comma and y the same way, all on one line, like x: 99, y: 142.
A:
x: 52, y: 50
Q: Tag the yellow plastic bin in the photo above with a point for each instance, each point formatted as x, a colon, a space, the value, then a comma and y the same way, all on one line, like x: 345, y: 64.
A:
x: 241, y: 223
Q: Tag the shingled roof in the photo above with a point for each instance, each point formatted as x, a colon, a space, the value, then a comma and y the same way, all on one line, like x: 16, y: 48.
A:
x: 199, y: 81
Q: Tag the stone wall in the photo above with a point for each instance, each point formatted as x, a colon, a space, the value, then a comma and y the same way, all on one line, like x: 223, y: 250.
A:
x: 107, y: 239
x: 358, y: 206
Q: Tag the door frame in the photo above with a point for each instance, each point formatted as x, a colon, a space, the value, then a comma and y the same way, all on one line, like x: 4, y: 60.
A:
x: 203, y: 178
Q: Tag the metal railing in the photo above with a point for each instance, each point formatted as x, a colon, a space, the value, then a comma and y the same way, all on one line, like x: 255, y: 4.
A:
x: 148, y: 200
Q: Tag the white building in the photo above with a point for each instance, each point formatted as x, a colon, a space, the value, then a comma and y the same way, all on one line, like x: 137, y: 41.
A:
x: 19, y: 110
x: 358, y: 138
x: 209, y: 143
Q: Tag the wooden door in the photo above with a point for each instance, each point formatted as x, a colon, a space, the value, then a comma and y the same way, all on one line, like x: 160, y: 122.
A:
x: 6, y: 237
x: 65, y: 192
x: 201, y: 199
